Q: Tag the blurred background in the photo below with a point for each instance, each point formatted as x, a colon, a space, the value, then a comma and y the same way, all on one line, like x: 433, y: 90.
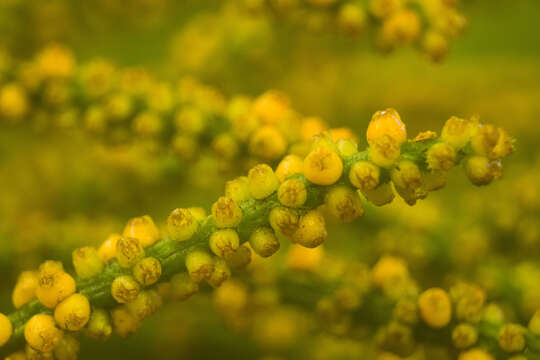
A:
x: 60, y: 188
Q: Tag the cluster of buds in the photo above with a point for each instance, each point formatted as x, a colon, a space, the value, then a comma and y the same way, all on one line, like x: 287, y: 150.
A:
x: 428, y: 25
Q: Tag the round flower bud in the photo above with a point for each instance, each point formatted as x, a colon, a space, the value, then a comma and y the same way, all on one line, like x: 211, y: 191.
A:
x: 290, y: 165
x: 512, y: 338
x: 383, y: 194
x: 124, y: 322
x: 384, y: 151
x: 200, y: 265
x: 240, y: 259
x: 284, y: 221
x: 480, y: 170
x: 304, y: 259
x: 128, y: 251
x: 311, y: 230
x: 41, y: 333
x: 475, y: 354
x: 147, y: 271
x: 147, y: 124
x: 231, y: 297
x: 364, y: 175
x: 225, y: 146
x: 67, y: 349
x: 183, y: 287
x: 125, y: 289
x: 323, y: 166
x: 226, y: 213
x: 504, y: 146
x: 6, y: 329
x: 87, y: 262
x: 13, y: 102
x: 386, y: 123
x: 25, y: 289
x: 181, y: 224
x: 145, y: 304
x: 107, y: 250
x: 435, y: 307
x: 99, y: 326
x: 383, y: 8
x: 435, y: 45
x: 387, y: 268
x: 264, y: 242
x: 221, y: 273
x: 73, y: 313
x: 262, y: 181
x: 464, y: 336
x: 352, y: 18
x: 268, y: 143
x: 406, y: 175
x: 347, y: 147
x: 292, y: 193
x: 344, y: 203
x: 441, y: 156
x: 224, y: 243
x: 238, y: 189
x: 310, y: 127
x: 143, y: 229
x: 457, y: 132
x: 54, y: 285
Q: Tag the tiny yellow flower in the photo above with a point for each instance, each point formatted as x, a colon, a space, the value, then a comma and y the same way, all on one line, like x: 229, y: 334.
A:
x: 262, y: 181
x: 87, y: 262
x: 311, y: 230
x: 224, y: 243
x: 226, y: 213
x: 264, y: 242
x: 125, y: 289
x: 143, y: 229
x: 107, y: 250
x: 290, y: 165
x: 73, y: 313
x: 435, y: 307
x: 41, y: 333
x: 323, y: 166
x: 129, y: 251
x: 6, y: 329
x: 386, y: 122
x: 147, y: 271
x: 181, y: 224
x: 292, y: 193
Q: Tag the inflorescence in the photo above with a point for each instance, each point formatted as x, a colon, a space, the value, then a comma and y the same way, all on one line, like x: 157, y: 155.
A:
x: 129, y: 276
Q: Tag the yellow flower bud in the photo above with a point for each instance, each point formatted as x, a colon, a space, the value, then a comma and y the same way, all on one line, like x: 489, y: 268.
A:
x: 310, y: 127
x: 387, y: 268
x: 145, y: 304
x: 441, y: 156
x: 147, y: 271
x: 41, y: 333
x: 119, y: 106
x: 464, y: 336
x: 480, y: 170
x: 73, y: 313
x: 435, y: 46
x: 124, y: 322
x: 262, y: 181
x: 311, y: 230
x: 13, y: 101
x: 128, y: 251
x: 226, y: 213
x: 272, y: 107
x: 143, y: 229
x: 184, y: 147
x: 268, y: 143
x: 107, y: 250
x: 54, y: 284
x: 347, y: 147
x: 457, y: 132
x: 364, y: 175
x: 32, y: 354
x: 6, y: 329
x: 435, y: 307
x: 240, y: 259
x: 406, y: 311
x: 221, y: 273
x: 383, y: 8
x: 25, y: 289
x: 475, y: 354
x: 352, y: 18
x: 87, y: 262
x: 56, y: 61
x: 290, y: 165
x: 434, y: 180
x: 344, y: 203
x: 323, y: 166
x: 504, y: 146
x: 125, y: 289
x: 406, y: 175
x: 231, y: 296
x: 224, y: 243
x: 238, y: 189
x: 200, y: 265
x: 181, y: 224
x: 292, y: 193
x: 305, y: 259
x: 264, y: 242
x: 225, y: 146
x: 99, y: 326
x: 147, y: 124
x: 189, y: 120
x: 383, y: 194
x: 386, y: 123
x: 182, y: 287
x: 512, y: 338
x: 402, y: 27
x: 284, y: 221
x: 67, y: 349
x: 384, y: 151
